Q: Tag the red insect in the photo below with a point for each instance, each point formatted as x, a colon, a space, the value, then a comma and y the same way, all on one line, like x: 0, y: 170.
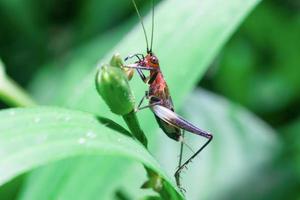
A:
x: 160, y: 101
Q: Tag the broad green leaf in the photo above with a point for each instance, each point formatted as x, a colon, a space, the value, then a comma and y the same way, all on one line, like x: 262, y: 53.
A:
x: 187, y: 37
x: 37, y: 136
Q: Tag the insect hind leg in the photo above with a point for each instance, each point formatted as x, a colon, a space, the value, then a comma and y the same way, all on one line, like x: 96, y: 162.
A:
x: 181, y: 166
x: 177, y: 175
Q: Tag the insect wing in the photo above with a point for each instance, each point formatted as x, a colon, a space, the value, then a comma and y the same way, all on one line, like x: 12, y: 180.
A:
x: 174, y: 119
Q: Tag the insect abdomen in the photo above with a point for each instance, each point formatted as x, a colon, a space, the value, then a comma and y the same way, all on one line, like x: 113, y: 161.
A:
x: 171, y: 131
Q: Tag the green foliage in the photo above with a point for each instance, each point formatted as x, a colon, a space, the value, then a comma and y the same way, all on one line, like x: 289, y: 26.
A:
x: 264, y: 60
x: 61, y: 153
x: 44, y: 135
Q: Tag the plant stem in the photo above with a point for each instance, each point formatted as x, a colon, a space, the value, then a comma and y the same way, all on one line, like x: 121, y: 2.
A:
x: 12, y: 94
x: 134, y: 126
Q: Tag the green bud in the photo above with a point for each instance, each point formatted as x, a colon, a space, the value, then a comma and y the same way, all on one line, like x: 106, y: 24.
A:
x: 116, y: 61
x: 112, y: 84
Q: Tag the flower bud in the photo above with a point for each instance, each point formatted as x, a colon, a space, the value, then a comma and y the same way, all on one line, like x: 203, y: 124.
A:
x: 112, y: 85
x: 117, y: 61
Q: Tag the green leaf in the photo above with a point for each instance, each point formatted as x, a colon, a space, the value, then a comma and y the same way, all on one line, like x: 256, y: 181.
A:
x: 44, y: 135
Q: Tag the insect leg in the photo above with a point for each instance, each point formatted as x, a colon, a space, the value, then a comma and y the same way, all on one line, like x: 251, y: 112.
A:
x: 181, y: 150
x: 135, y: 55
x: 149, y: 106
x: 139, y: 70
x: 178, y: 171
x: 136, y: 66
x: 158, y: 102
x: 141, y: 101
x: 177, y: 177
x: 175, y: 120
x: 142, y: 75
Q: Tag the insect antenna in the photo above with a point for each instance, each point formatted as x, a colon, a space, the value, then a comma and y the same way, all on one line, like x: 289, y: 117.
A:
x: 142, y: 23
x: 152, y: 31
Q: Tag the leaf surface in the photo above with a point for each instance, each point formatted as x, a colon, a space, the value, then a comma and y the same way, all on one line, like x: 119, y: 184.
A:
x: 37, y: 136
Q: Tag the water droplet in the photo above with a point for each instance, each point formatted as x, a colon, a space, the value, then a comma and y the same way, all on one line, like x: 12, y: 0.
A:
x: 81, y: 140
x: 37, y: 120
x: 41, y: 138
x: 91, y: 134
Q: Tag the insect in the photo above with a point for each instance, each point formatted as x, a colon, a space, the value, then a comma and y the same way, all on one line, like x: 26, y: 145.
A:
x: 160, y: 101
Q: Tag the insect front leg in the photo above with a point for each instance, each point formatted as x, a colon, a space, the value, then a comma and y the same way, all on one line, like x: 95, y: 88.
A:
x: 142, y: 75
x: 136, y: 66
x: 148, y: 80
x: 139, y: 70
x: 135, y: 55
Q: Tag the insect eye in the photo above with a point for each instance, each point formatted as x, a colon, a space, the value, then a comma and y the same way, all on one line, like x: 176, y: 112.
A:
x: 154, y: 60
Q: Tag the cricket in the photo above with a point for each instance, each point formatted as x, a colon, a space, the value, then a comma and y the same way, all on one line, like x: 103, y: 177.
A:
x: 160, y: 101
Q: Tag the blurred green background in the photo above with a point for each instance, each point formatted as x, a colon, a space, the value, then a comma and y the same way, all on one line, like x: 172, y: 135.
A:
x: 258, y: 68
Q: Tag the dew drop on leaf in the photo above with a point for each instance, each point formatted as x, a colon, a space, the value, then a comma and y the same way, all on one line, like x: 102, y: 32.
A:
x: 12, y: 113
x: 37, y: 120
x: 81, y: 140
x: 91, y: 134
x: 41, y: 138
